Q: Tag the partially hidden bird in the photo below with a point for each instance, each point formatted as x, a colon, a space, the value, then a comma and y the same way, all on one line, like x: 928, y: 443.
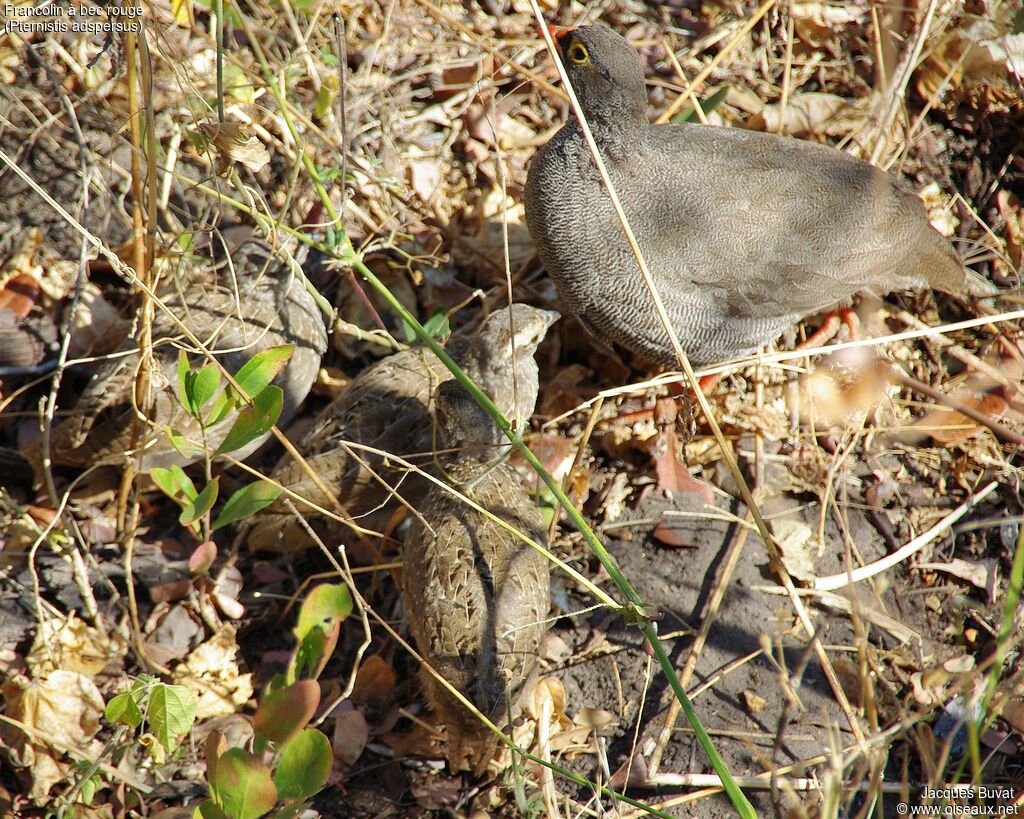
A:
x: 476, y: 596
x: 744, y: 233
x: 236, y: 309
x: 388, y: 409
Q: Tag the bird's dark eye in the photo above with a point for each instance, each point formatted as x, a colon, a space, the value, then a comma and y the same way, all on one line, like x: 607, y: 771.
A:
x: 577, y: 53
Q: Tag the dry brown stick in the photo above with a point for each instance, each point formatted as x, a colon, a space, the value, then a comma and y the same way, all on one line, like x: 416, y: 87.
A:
x: 732, y: 559
x: 1001, y: 431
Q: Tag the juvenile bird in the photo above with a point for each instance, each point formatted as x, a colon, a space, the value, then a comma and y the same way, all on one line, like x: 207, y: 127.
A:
x: 388, y: 407
x: 259, y: 304
x: 744, y: 233
x: 476, y: 596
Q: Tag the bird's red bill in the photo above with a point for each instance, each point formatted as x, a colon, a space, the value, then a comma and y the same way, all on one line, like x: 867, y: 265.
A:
x: 558, y: 33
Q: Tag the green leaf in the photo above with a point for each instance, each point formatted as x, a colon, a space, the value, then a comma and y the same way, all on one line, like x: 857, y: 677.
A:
x: 326, y: 95
x: 210, y: 810
x: 1017, y: 25
x: 200, y: 505
x: 328, y: 57
x: 243, y: 787
x: 247, y: 501
x: 204, y: 385
x: 281, y: 715
x: 254, y: 421
x: 326, y: 603
x: 707, y: 106
x: 124, y: 709
x: 183, y: 373
x: 183, y: 445
x: 309, y: 654
x: 304, y: 765
x: 237, y: 83
x: 174, y: 483
x: 226, y: 403
x: 437, y: 326
x: 171, y: 712
x: 256, y: 374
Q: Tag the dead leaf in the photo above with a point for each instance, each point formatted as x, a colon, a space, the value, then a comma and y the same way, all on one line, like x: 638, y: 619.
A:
x: 800, y: 551
x: 673, y: 476
x: 212, y: 674
x: 813, y: 114
x: 99, y: 327
x: 979, y: 573
x: 350, y: 736
x: 556, y: 454
x: 64, y: 707
x: 947, y: 426
x: 69, y: 644
x: 594, y: 718
x: 231, y: 144
x: 424, y: 177
x: 374, y: 678
x: 753, y: 702
x: 817, y: 23
x: 664, y: 534
x: 1010, y: 209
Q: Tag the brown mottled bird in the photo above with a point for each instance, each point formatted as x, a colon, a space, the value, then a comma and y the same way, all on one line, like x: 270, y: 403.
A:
x: 388, y: 407
x: 744, y: 233
x: 476, y: 596
x: 236, y: 312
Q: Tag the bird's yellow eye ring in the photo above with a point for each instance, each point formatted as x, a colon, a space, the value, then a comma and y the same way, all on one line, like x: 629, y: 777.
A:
x: 577, y: 53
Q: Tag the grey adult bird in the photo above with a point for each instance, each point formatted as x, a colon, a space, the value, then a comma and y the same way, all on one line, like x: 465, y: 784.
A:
x: 476, y: 596
x: 388, y: 408
x: 237, y: 310
x: 744, y: 233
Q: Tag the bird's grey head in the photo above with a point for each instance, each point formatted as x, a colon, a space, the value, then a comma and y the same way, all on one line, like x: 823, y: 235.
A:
x: 515, y: 331
x: 606, y: 74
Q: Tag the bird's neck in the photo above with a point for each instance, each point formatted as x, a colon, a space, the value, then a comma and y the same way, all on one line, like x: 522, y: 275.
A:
x: 617, y: 137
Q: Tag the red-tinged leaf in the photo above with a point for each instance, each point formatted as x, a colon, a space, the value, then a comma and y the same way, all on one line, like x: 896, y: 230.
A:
x: 216, y: 745
x: 325, y: 604
x: 257, y: 373
x: 243, y: 787
x: 202, y: 558
x: 284, y: 713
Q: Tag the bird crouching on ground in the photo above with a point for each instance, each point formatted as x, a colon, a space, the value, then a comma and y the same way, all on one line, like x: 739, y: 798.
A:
x: 388, y: 408
x: 476, y: 596
x: 243, y: 306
